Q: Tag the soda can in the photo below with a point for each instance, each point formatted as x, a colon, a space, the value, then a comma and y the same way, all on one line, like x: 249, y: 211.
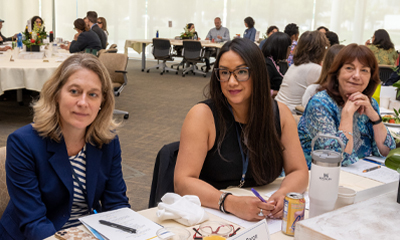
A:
x: 293, y: 211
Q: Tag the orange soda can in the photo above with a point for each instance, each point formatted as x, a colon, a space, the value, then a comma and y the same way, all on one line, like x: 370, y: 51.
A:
x: 293, y: 211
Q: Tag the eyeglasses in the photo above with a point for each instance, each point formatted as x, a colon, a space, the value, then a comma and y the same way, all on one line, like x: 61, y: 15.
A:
x: 240, y: 74
x: 198, y: 235
x: 99, y: 23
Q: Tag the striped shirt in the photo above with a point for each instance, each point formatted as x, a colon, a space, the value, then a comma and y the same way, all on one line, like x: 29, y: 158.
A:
x: 79, y: 206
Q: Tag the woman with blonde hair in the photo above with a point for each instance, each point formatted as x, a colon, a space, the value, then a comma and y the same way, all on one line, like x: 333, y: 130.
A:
x: 67, y: 163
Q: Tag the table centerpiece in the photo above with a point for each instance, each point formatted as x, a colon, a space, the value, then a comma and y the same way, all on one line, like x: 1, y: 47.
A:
x: 187, y: 34
x: 33, y: 40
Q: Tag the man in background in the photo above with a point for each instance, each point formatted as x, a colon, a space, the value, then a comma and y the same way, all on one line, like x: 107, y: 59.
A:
x: 271, y: 30
x: 91, y: 22
x: 217, y: 34
x: 2, y: 37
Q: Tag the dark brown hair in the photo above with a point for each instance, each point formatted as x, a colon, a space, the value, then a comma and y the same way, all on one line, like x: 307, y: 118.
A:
x: 33, y: 20
x: 264, y: 145
x: 347, y: 55
x: 328, y: 60
x: 311, y: 47
x: 80, y: 24
x: 92, y: 16
x: 382, y: 39
x: 250, y: 22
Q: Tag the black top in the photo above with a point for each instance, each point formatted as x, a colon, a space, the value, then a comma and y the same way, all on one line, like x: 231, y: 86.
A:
x: 275, y: 78
x: 5, y: 39
x: 222, y: 173
x: 102, y: 35
x: 87, y: 39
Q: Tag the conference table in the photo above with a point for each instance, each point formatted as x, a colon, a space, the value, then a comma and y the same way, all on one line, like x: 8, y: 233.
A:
x: 30, y: 70
x: 139, y: 45
x: 347, y: 179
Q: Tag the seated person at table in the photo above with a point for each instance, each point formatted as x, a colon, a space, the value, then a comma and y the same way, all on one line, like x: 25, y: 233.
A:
x: 383, y: 47
x: 306, y: 68
x: 2, y: 37
x: 276, y: 49
x: 240, y: 130
x: 218, y: 34
x: 312, y: 89
x: 83, y: 39
x: 91, y: 23
x: 5, y: 48
x: 346, y: 110
x: 332, y: 37
x: 271, y: 30
x: 293, y: 31
x: 102, y: 23
x: 250, y: 32
x: 36, y: 19
x: 67, y: 163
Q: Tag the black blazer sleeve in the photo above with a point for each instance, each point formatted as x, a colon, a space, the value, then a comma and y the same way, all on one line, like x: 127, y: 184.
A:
x: 85, y: 40
x: 101, y: 34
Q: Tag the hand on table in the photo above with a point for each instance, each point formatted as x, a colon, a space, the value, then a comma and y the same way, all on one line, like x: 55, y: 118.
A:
x: 219, y: 37
x: 248, y: 208
x: 277, y: 199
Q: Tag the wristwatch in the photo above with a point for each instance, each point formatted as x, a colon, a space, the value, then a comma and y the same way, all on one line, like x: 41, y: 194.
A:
x: 376, y: 122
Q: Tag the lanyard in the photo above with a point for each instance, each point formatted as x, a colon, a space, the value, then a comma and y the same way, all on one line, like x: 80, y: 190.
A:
x: 245, y: 160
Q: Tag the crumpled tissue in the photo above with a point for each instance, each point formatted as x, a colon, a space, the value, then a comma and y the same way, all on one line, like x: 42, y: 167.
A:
x: 186, y: 210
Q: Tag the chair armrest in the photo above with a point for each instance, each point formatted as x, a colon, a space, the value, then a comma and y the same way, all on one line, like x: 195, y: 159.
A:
x: 121, y: 71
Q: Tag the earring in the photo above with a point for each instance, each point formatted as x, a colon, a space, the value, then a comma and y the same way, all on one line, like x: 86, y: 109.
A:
x: 99, y: 108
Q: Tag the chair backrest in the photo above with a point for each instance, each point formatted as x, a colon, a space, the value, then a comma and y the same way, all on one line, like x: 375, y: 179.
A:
x: 115, y: 62
x: 161, y: 48
x: 384, y: 72
x: 163, y: 175
x: 192, y: 50
x: 113, y: 46
x: 4, y: 197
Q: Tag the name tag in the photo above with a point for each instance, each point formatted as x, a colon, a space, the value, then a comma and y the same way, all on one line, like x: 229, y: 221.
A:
x: 258, y: 231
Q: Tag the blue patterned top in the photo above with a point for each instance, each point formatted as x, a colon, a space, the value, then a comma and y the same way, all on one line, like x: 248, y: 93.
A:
x: 292, y: 47
x: 322, y: 114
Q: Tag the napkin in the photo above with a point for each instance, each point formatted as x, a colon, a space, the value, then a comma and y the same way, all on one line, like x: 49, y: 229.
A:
x: 186, y: 210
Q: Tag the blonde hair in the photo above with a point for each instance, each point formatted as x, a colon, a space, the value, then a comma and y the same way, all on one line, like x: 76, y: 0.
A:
x: 46, y: 116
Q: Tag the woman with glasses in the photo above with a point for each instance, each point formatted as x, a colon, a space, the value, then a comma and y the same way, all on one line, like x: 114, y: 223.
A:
x: 83, y: 39
x: 102, y: 23
x: 240, y: 137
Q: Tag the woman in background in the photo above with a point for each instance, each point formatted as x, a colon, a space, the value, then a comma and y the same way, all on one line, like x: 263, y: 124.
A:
x: 383, y: 48
x: 67, y: 163
x: 250, y: 32
x: 276, y: 49
x: 102, y: 23
x: 346, y: 110
x: 326, y: 65
x: 38, y: 20
x: 83, y: 39
x: 306, y: 69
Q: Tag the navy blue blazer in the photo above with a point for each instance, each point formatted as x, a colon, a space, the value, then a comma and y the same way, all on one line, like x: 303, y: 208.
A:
x: 87, y: 39
x: 39, y: 181
x: 102, y: 35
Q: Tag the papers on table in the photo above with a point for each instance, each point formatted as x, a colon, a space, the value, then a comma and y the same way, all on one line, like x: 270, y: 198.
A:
x: 145, y: 228
x: 274, y: 225
x: 382, y: 174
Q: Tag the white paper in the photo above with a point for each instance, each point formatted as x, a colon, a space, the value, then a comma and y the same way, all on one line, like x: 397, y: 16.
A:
x: 305, y: 195
x: 145, y: 228
x: 377, y: 159
x: 382, y: 174
x: 257, y: 231
x: 274, y: 225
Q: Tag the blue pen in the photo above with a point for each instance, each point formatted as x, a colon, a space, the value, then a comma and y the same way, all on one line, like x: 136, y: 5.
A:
x: 373, y: 161
x: 258, y: 195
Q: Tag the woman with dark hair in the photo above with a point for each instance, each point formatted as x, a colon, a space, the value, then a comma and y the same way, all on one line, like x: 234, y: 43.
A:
x: 323, y: 29
x: 250, y: 32
x: 346, y: 110
x: 38, y: 20
x: 306, y: 69
x: 383, y: 48
x: 191, y: 28
x: 240, y: 137
x: 276, y: 49
x: 326, y: 65
x: 83, y: 39
x: 332, y: 37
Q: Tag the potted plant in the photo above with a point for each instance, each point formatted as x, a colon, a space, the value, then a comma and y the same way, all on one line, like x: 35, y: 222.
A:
x: 393, y: 162
x: 187, y: 34
x: 33, y: 40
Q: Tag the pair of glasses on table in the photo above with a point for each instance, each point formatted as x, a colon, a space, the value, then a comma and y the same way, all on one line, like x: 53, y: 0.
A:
x: 197, y: 234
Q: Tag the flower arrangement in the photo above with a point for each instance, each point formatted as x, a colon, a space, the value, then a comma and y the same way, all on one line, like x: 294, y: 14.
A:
x: 187, y: 33
x: 35, y: 37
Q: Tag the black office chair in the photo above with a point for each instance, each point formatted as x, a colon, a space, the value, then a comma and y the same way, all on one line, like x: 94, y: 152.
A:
x: 193, y: 53
x: 384, y: 72
x: 163, y: 175
x: 162, y: 51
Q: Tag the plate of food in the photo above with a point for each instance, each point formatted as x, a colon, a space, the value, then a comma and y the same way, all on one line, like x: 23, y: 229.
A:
x: 391, y: 120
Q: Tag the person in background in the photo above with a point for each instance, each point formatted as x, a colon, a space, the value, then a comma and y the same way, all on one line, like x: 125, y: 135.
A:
x: 5, y: 48
x: 276, y: 49
x: 332, y: 37
x: 293, y: 31
x: 38, y: 20
x: 102, y: 23
x: 271, y: 30
x: 193, y: 30
x: 67, y: 163
x: 346, y: 109
x: 83, y: 39
x: 323, y: 29
x: 218, y: 34
x: 250, y: 32
x: 382, y: 47
x: 306, y: 68
x: 2, y: 37
x: 91, y: 22
x: 312, y: 89
x: 240, y: 123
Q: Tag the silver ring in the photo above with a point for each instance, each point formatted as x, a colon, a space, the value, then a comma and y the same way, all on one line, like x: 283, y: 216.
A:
x: 261, y: 213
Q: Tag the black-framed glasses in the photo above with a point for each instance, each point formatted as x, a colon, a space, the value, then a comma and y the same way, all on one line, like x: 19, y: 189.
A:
x: 99, y: 22
x: 241, y: 74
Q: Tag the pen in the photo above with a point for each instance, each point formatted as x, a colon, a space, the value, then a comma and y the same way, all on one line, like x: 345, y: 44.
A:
x: 373, y: 161
x: 371, y: 169
x: 258, y: 195
x: 120, y: 227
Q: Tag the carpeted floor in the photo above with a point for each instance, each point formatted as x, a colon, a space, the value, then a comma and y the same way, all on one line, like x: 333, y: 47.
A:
x: 157, y: 105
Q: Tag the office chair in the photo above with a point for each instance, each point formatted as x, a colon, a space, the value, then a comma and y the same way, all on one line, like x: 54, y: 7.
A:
x: 4, y: 197
x: 116, y: 64
x: 111, y: 49
x: 163, y: 174
x: 193, y: 53
x: 162, y: 51
x: 384, y: 72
